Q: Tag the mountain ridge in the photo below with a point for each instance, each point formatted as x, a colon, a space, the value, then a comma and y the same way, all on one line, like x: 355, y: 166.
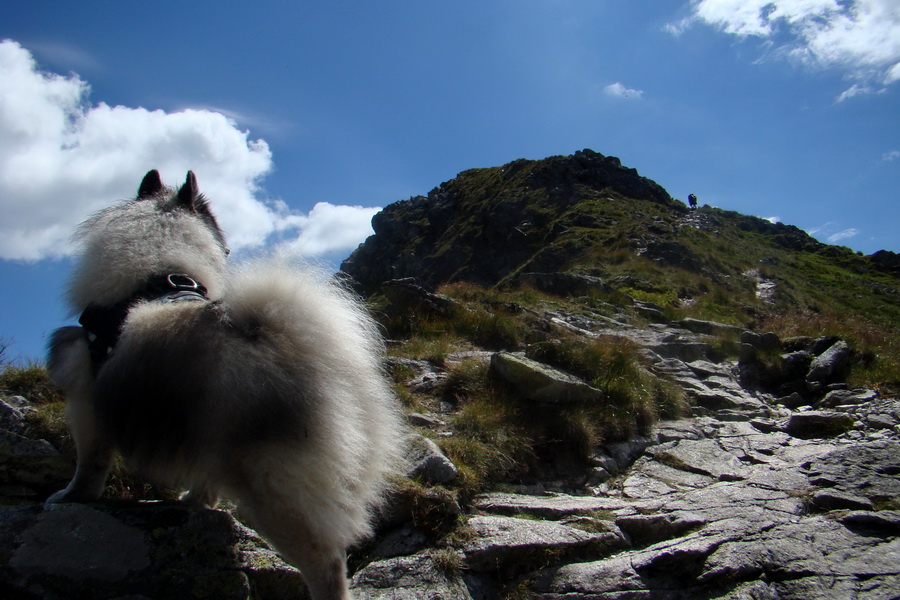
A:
x: 528, y: 212
x: 587, y: 215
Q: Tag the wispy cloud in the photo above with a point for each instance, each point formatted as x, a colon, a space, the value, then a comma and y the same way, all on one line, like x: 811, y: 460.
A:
x: 773, y: 219
x: 618, y: 90
x: 248, y: 118
x: 677, y: 28
x: 856, y: 90
x: 62, y: 158
x: 842, y: 235
x: 891, y: 156
x: 831, y: 233
x: 65, y: 56
x: 859, y: 37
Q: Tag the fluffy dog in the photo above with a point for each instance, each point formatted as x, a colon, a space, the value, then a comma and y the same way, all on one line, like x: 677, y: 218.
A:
x: 264, y: 385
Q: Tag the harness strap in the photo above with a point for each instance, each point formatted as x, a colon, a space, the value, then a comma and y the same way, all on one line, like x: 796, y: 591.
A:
x: 103, y: 324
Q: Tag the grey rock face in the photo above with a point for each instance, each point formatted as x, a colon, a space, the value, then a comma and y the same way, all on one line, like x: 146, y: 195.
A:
x: 28, y: 467
x: 868, y: 469
x: 698, y: 537
x: 572, y: 284
x: 815, y: 424
x: 830, y: 364
x: 541, y: 382
x: 428, y: 462
x: 419, y: 577
x: 150, y: 551
x: 505, y: 541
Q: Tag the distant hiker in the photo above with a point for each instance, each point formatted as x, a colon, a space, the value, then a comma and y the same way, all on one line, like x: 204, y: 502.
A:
x: 692, y: 200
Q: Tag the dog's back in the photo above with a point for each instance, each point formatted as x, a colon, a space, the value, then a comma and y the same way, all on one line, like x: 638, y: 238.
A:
x: 280, y: 375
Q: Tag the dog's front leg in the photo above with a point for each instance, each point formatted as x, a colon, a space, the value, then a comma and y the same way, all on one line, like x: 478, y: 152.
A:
x: 95, y: 455
x: 70, y: 368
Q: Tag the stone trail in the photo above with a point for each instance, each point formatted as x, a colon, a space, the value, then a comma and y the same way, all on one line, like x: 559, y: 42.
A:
x: 747, y: 499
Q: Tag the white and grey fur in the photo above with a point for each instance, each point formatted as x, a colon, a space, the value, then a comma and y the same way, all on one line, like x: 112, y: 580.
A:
x: 271, y: 393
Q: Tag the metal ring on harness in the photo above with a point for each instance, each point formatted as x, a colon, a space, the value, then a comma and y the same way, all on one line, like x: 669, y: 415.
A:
x: 180, y: 281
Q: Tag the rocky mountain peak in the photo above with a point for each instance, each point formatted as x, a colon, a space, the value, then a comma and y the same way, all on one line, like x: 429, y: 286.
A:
x: 586, y: 213
x: 485, y: 224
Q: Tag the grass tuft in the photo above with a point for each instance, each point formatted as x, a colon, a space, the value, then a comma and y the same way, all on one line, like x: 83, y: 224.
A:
x: 31, y: 381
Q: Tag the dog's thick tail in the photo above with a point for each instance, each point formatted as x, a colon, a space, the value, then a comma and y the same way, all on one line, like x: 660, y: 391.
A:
x: 319, y: 343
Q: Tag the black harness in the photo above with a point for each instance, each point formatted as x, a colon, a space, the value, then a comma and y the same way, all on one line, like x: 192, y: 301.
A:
x: 103, y: 324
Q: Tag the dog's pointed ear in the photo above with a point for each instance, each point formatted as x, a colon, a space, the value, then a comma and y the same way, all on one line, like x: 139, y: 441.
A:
x: 150, y: 185
x: 189, y: 192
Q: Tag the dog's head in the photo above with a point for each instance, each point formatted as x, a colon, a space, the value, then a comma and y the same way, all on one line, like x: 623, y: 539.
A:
x: 164, y: 230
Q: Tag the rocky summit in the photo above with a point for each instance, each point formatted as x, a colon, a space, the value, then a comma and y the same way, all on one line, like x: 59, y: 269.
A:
x: 487, y: 223
x: 609, y: 396
x: 490, y: 225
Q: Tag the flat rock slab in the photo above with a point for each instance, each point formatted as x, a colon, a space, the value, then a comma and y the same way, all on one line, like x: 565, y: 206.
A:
x: 507, y: 542
x: 709, y: 327
x: 704, y: 457
x: 719, y: 501
x: 654, y: 479
x: 547, y: 507
x: 869, y: 470
x: 418, y: 577
x: 84, y: 541
x: 685, y: 350
x: 817, y: 547
x: 814, y: 558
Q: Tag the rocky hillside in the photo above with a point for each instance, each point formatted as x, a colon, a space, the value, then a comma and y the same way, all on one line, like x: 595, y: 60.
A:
x: 609, y: 396
x: 587, y: 212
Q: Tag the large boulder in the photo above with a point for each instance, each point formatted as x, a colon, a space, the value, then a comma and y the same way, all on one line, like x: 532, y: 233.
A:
x: 818, y: 424
x: 831, y: 364
x: 540, y: 382
x: 30, y: 467
x: 152, y: 550
x: 428, y: 462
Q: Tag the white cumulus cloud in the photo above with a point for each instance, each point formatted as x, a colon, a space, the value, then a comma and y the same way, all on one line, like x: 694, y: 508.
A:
x: 62, y: 158
x: 860, y: 37
x: 329, y: 228
x: 620, y: 91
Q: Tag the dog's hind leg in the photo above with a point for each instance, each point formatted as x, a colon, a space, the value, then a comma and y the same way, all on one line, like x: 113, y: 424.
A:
x: 70, y: 368
x: 323, y: 565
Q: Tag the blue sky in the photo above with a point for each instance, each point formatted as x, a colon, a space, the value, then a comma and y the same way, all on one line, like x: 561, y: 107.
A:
x: 301, y: 119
